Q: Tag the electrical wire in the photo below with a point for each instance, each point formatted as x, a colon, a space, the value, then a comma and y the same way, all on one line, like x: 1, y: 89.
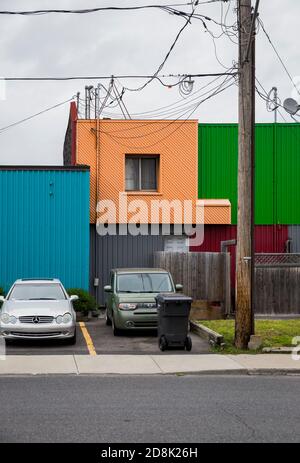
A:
x: 171, y: 123
x: 278, y: 55
x: 188, y: 21
x: 3, y: 129
x: 92, y: 10
x: 164, y: 112
x: 190, y: 109
x: 206, y: 2
x: 178, y: 107
x: 106, y: 77
x: 266, y: 98
x: 164, y: 109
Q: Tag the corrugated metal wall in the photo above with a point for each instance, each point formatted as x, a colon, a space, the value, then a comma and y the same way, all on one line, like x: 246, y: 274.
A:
x: 277, y: 169
x: 217, y: 163
x: 44, y: 225
x: 287, y: 173
x: 113, y: 251
x: 294, y: 236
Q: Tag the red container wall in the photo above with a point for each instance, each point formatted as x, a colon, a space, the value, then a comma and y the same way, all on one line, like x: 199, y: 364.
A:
x: 268, y: 238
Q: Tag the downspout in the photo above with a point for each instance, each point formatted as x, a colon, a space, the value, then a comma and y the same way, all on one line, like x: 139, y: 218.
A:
x: 227, y: 306
x: 96, y: 276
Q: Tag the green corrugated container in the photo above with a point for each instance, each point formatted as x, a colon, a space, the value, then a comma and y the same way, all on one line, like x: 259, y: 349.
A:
x: 287, y: 173
x: 277, y: 159
x: 217, y: 163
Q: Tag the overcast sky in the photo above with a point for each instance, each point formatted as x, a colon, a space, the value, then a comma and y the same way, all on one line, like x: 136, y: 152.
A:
x: 124, y: 43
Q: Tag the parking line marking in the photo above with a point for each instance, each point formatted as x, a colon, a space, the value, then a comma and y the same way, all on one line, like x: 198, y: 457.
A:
x: 88, y: 339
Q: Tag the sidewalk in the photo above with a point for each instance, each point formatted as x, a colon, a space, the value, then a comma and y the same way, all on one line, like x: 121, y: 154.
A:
x: 148, y: 364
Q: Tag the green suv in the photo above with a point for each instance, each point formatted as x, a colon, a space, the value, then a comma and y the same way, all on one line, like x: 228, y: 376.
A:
x: 131, y: 295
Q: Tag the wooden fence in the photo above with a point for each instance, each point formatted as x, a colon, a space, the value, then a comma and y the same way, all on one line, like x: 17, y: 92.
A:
x: 204, y: 275
x: 277, y: 290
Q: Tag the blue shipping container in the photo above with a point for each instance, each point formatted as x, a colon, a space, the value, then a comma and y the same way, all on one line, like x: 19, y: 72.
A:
x: 44, y: 224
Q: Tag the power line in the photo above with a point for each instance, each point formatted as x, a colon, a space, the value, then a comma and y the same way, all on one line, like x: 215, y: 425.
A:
x: 266, y: 97
x: 93, y: 10
x: 2, y: 129
x: 206, y: 2
x: 188, y: 21
x: 278, y: 55
x: 173, y: 108
x: 172, y: 122
x: 188, y: 111
x: 106, y: 77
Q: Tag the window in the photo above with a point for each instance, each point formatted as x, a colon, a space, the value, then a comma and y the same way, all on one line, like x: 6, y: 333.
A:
x: 28, y: 292
x: 141, y: 173
x: 144, y: 283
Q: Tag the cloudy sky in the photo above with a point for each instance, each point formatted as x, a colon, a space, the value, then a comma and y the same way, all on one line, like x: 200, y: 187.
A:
x: 118, y: 43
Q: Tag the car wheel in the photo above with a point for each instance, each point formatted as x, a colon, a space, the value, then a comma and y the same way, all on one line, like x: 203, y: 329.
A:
x: 72, y: 340
x: 107, y: 319
x: 188, y: 343
x: 116, y: 331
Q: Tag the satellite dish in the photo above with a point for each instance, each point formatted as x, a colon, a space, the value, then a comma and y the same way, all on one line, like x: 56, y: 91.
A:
x: 291, y: 106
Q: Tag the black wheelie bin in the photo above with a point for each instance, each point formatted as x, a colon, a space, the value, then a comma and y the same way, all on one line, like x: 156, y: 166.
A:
x: 173, y: 320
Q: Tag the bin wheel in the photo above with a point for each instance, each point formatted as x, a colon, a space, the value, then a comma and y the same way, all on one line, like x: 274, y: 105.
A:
x: 188, y: 343
x: 162, y: 343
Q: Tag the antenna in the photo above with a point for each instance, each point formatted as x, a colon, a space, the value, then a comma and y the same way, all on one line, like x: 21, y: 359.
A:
x: 291, y: 106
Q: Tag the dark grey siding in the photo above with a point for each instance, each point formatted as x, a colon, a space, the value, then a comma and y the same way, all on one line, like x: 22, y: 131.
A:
x: 67, y: 151
x: 109, y: 252
x: 294, y: 236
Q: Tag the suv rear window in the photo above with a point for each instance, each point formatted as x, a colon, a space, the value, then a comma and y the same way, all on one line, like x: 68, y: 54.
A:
x: 144, y: 283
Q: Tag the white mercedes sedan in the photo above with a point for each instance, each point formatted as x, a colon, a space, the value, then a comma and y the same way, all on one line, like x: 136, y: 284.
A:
x: 38, y: 309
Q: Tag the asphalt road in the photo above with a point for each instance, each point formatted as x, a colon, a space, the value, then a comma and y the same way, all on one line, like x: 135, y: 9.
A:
x: 141, y: 342
x: 153, y: 409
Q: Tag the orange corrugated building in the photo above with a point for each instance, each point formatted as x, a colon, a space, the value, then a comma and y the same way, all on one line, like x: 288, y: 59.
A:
x: 149, y: 160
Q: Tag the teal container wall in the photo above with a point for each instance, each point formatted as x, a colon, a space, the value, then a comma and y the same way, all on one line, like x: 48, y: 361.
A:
x: 44, y: 225
x: 277, y: 160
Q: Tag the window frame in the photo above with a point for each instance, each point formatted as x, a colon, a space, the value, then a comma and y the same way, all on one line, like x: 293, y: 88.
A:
x: 140, y: 157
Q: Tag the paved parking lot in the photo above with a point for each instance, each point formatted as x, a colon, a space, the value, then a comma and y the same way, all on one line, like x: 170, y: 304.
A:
x: 103, y: 342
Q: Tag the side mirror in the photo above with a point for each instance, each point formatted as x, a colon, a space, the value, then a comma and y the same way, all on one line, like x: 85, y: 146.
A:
x: 178, y: 287
x: 108, y: 289
x: 74, y: 297
x: 2, y: 298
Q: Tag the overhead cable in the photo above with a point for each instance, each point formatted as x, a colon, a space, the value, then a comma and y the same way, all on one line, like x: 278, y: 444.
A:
x: 2, y: 129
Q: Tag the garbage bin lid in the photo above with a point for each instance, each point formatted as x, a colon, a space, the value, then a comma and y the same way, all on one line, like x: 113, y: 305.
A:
x: 173, y: 297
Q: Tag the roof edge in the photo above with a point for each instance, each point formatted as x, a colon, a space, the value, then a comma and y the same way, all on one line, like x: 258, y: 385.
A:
x: 30, y: 167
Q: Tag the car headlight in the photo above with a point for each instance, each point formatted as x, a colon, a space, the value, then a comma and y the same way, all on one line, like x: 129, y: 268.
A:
x: 67, y: 318
x: 59, y: 319
x: 6, y: 319
x: 127, y: 306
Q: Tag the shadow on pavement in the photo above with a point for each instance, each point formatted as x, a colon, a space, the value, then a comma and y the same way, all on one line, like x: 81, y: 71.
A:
x: 131, y: 343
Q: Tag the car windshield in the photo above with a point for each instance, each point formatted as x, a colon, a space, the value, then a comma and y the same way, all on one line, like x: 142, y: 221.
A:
x: 144, y: 283
x: 32, y: 292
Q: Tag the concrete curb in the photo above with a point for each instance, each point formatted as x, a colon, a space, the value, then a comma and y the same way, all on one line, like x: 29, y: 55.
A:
x: 214, y: 338
x: 107, y: 365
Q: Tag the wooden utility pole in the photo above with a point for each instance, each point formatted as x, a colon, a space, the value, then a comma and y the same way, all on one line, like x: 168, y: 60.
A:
x: 244, y: 321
